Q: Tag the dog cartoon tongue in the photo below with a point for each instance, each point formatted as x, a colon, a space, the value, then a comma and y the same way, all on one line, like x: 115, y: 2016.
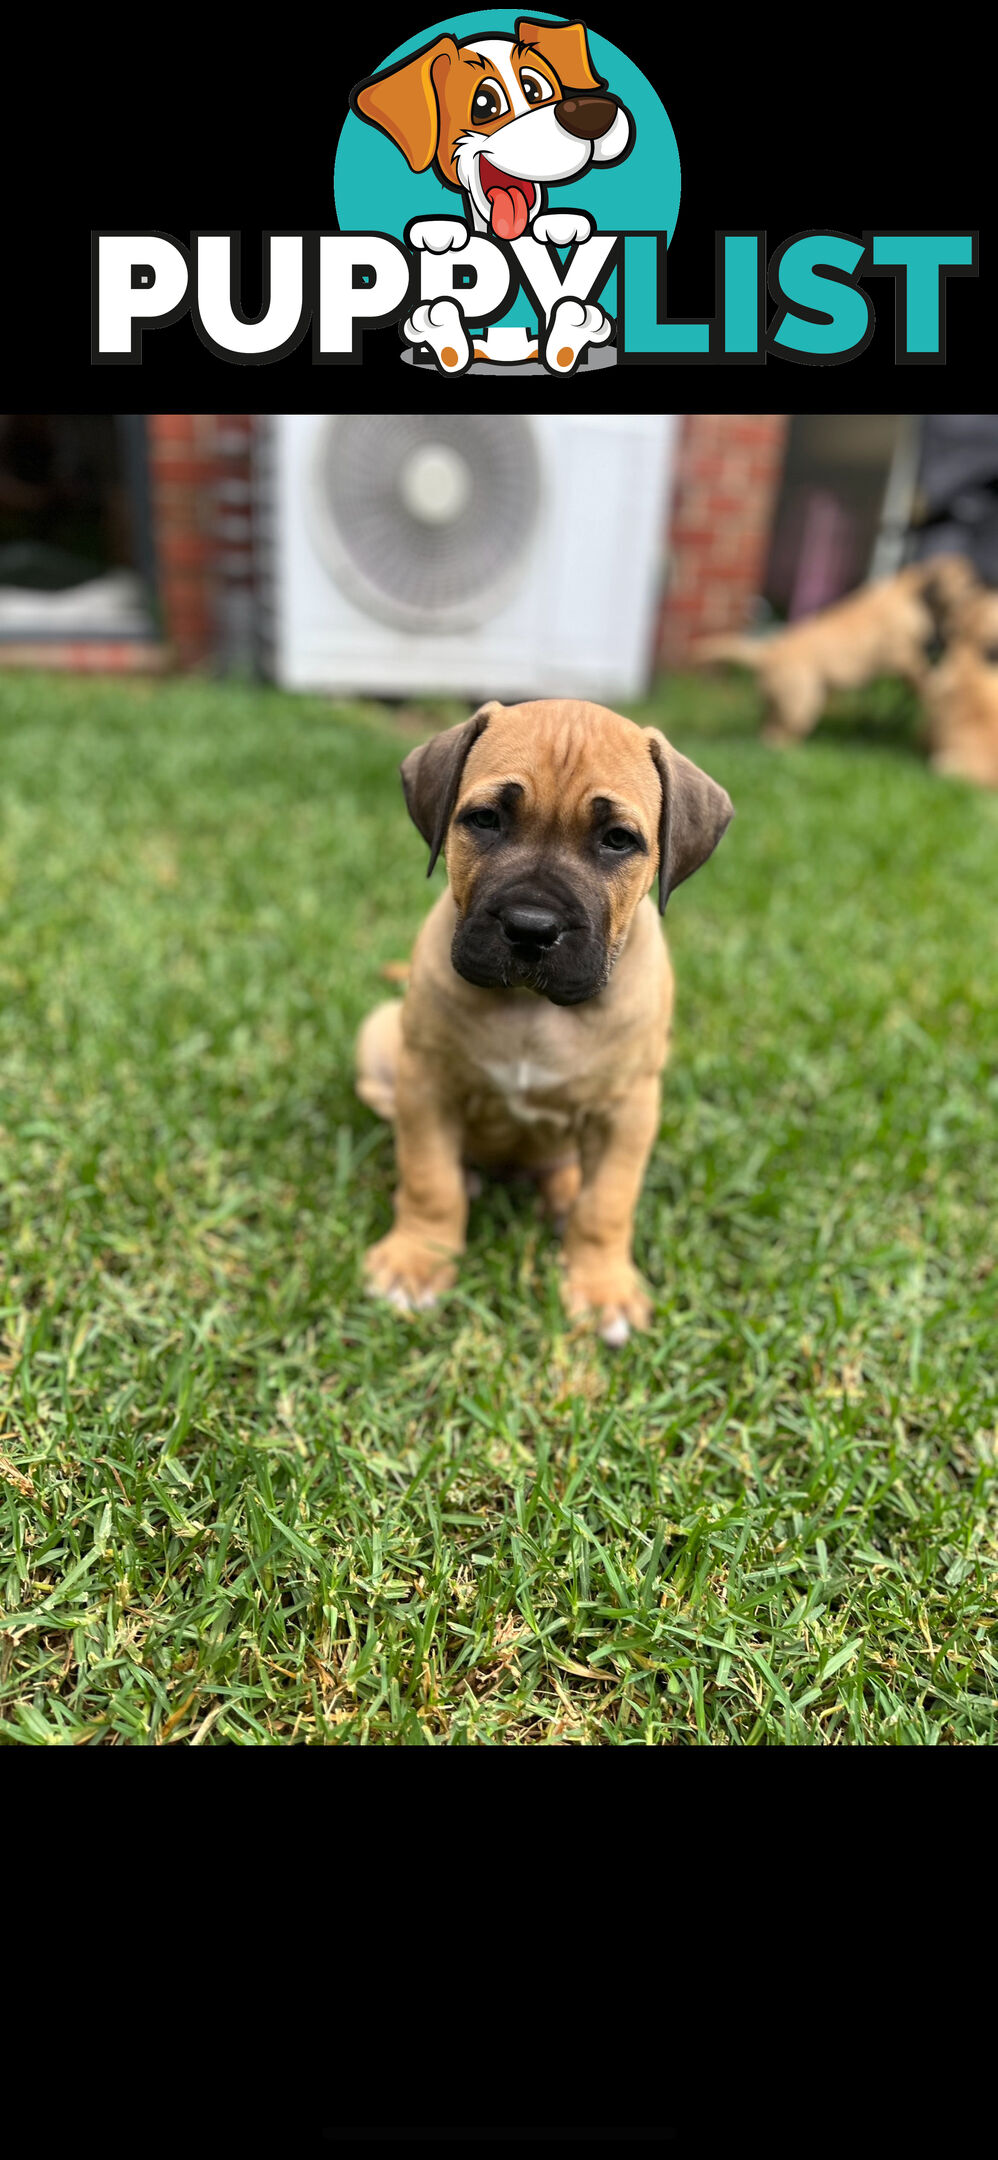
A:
x: 510, y: 201
x: 509, y: 212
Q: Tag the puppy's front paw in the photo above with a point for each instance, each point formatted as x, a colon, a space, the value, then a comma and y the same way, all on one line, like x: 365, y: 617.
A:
x: 562, y: 227
x: 437, y: 235
x: 574, y: 326
x: 440, y: 325
x: 409, y: 1273
x: 609, y: 1294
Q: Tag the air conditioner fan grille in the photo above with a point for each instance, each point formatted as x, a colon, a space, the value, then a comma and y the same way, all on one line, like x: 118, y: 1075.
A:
x: 427, y: 520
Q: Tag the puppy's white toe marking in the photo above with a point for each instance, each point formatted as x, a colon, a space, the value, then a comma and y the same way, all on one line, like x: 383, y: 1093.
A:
x: 440, y: 325
x: 438, y: 234
x: 574, y: 326
x: 616, y: 1331
x: 402, y: 1300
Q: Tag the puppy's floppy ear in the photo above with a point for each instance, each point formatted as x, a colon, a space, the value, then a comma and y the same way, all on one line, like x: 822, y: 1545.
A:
x: 564, y: 47
x: 431, y: 777
x: 948, y: 588
x: 940, y: 620
x: 404, y: 101
x: 694, y: 816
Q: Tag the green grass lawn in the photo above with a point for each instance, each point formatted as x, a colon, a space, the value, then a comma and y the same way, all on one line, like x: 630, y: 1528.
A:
x: 240, y: 1502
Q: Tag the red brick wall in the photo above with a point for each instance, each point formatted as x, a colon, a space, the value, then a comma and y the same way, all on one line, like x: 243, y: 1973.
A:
x: 235, y: 589
x: 199, y: 494
x: 728, y: 474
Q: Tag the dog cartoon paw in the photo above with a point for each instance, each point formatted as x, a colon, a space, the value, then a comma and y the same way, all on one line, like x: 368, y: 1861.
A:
x: 406, y: 1272
x: 574, y: 326
x: 437, y: 235
x: 610, y: 1296
x: 562, y: 227
x: 439, y: 324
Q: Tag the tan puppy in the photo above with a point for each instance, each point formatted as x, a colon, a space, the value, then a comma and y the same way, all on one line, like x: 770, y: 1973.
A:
x: 887, y: 628
x: 961, y: 696
x: 536, y: 1020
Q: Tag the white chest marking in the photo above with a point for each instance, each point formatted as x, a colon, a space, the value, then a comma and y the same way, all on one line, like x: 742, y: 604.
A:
x: 520, y: 1076
x: 516, y: 1080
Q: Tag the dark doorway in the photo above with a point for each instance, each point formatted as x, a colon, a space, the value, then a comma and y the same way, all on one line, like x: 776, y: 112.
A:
x: 76, y: 554
x: 830, y: 508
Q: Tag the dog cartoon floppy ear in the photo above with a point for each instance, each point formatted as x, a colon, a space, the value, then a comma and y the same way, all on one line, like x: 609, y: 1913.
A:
x: 404, y: 102
x: 564, y: 47
x: 695, y: 815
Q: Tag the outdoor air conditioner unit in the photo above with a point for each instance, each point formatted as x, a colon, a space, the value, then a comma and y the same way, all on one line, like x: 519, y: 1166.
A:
x: 478, y: 556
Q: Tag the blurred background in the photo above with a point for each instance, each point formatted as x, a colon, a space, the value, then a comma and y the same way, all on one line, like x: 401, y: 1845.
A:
x: 461, y: 555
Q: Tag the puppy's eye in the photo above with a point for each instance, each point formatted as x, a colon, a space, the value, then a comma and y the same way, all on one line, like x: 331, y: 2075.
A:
x: 534, y: 90
x: 488, y: 102
x: 619, y: 840
x: 483, y: 820
x: 991, y: 655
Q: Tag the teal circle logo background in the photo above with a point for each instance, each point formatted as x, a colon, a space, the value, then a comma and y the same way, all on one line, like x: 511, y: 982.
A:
x: 374, y: 190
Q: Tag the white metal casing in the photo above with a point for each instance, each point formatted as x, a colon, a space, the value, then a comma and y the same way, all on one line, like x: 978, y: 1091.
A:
x: 580, y: 617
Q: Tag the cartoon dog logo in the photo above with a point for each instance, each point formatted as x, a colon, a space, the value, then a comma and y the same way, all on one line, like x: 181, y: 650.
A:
x: 501, y: 120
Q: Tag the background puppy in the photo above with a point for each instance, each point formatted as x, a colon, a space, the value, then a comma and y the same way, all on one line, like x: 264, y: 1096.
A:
x: 892, y: 627
x: 536, y: 1021
x: 960, y: 695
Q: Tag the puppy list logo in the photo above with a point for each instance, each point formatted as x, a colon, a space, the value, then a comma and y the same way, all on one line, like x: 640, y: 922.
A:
x: 517, y: 130
x: 506, y: 193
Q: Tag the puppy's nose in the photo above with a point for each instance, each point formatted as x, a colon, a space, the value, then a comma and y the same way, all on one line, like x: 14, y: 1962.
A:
x: 530, y: 925
x: 587, y: 115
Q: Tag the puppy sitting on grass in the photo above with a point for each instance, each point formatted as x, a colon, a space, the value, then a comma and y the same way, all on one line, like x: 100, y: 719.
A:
x: 890, y: 627
x: 535, y: 1024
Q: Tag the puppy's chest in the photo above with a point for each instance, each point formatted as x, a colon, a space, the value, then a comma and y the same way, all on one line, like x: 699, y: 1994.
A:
x: 531, y: 1091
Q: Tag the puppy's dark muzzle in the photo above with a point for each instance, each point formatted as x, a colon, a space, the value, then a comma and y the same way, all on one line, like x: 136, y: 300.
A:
x: 536, y: 931
x: 530, y: 929
x: 586, y: 115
